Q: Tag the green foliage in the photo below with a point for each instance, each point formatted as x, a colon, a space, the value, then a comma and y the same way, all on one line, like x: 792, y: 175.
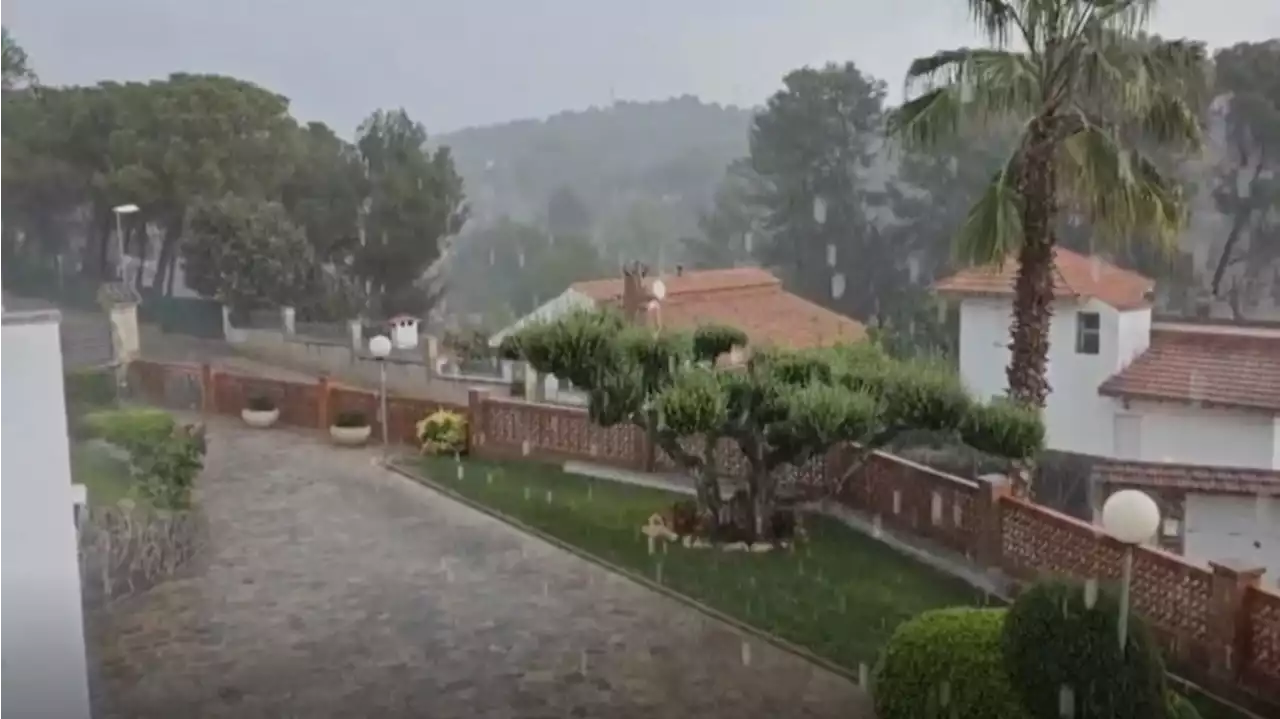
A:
x: 1059, y: 638
x: 130, y: 428
x: 164, y: 459
x: 946, y: 664
x: 247, y: 253
x: 260, y: 403
x: 694, y: 404
x: 1179, y: 707
x: 443, y: 432
x: 712, y: 341
x: 90, y: 389
x: 351, y: 418
x: 1004, y: 428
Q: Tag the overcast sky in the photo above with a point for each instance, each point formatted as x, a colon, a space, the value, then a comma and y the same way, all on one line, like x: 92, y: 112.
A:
x: 464, y: 62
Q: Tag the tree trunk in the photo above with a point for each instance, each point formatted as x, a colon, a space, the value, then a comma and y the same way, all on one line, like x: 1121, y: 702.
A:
x: 708, y: 485
x: 1033, y: 290
x: 1243, y: 212
x: 165, y: 260
x: 143, y: 247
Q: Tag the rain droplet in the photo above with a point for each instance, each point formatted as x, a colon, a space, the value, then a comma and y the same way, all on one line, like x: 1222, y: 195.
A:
x: 520, y: 259
x: 819, y: 210
x: 746, y: 654
x: 1066, y: 702
x: 582, y: 662
x: 657, y: 572
x: 831, y: 254
x: 548, y: 496
x: 944, y: 693
x: 876, y: 530
x: 837, y: 285
x: 1090, y: 592
x: 488, y: 478
x: 524, y: 447
x: 863, y: 674
x: 526, y: 493
x: 746, y: 241
x: 461, y: 472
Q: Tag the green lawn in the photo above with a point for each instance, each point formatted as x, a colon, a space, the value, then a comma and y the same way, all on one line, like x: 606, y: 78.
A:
x: 106, y: 478
x: 840, y: 595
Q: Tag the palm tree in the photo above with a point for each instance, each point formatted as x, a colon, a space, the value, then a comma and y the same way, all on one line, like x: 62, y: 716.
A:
x: 1080, y: 80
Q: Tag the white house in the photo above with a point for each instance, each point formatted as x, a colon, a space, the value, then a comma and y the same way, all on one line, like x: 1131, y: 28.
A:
x: 1187, y: 410
x: 748, y: 298
x: 43, y: 641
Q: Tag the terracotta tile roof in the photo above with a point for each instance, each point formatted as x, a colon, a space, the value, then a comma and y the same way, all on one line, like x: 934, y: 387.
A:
x: 747, y: 298
x: 700, y: 282
x: 1210, y: 365
x: 1157, y: 475
x: 1075, y: 276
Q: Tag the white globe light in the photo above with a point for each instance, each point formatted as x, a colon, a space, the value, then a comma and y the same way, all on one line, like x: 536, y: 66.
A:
x: 658, y: 290
x: 1131, y: 516
x: 380, y: 346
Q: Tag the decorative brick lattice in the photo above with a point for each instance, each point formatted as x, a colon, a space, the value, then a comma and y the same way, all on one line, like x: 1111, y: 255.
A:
x: 1171, y: 594
x: 559, y: 433
x: 1263, y: 611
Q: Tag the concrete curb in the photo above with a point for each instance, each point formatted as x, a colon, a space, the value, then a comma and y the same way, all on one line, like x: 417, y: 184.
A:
x: 634, y: 576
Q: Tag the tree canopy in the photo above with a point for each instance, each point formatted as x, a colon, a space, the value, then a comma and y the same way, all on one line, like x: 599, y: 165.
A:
x: 783, y: 408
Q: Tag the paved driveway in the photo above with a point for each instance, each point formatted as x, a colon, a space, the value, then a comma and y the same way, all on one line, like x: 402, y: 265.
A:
x: 333, y: 588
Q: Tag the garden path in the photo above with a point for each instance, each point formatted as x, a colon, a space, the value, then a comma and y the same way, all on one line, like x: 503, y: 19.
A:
x: 334, y: 588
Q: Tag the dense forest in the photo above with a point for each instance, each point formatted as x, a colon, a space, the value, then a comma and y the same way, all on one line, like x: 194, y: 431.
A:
x: 239, y: 201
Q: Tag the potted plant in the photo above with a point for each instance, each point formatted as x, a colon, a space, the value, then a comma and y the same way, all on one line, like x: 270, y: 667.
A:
x: 260, y: 411
x: 350, y: 429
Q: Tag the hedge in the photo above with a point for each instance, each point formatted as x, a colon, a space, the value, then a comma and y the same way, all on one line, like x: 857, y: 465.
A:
x: 946, y: 664
x: 1064, y: 635
x: 90, y: 389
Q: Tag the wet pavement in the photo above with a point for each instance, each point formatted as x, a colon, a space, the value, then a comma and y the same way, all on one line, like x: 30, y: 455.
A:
x: 333, y: 588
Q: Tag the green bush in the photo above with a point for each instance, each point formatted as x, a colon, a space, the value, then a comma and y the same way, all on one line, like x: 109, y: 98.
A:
x: 1180, y: 707
x: 443, y: 432
x: 1060, y: 640
x: 945, y: 664
x: 131, y: 429
x: 351, y: 418
x: 164, y: 459
x: 89, y: 389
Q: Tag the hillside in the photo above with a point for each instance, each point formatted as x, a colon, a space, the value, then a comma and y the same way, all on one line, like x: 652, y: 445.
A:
x: 673, y: 151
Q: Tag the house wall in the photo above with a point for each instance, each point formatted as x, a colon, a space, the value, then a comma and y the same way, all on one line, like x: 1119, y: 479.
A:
x: 44, y: 652
x: 566, y: 302
x: 1246, y: 528
x: 1077, y: 419
x: 1179, y: 434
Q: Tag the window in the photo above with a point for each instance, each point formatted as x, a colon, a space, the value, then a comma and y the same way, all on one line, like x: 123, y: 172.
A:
x: 1088, y: 332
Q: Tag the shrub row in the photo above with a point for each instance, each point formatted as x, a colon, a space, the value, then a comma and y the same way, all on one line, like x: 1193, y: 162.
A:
x: 1055, y: 653
x: 164, y: 458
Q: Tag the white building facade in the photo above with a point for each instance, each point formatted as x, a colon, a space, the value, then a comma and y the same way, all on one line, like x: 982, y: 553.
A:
x: 1188, y: 411
x: 43, y: 641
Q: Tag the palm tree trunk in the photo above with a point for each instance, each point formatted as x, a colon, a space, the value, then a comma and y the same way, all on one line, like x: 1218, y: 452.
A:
x: 1033, y: 289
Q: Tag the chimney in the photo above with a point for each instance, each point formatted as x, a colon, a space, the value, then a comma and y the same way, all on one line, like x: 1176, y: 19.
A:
x: 679, y: 270
x: 633, y: 294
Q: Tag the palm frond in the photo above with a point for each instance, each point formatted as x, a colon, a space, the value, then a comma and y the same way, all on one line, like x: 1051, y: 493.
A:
x: 996, y: 19
x: 964, y: 86
x: 992, y: 231
x: 1121, y: 192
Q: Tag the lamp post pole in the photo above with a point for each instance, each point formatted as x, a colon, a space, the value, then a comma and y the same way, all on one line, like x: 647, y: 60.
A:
x: 1132, y: 517
x: 380, y: 348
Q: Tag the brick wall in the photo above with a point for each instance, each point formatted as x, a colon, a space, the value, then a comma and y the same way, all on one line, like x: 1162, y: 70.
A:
x: 1218, y: 627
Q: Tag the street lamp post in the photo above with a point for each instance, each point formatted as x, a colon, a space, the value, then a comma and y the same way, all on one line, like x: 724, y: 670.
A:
x: 120, y: 211
x: 380, y: 348
x: 1132, y: 517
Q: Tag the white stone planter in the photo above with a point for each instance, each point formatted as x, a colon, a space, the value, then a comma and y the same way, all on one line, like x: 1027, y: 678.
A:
x: 350, y: 436
x: 260, y: 418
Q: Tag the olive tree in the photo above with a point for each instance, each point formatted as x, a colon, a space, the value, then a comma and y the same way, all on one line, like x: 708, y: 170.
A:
x: 626, y: 370
x: 788, y: 406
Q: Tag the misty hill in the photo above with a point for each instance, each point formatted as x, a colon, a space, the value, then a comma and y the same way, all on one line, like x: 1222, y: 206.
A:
x: 671, y: 152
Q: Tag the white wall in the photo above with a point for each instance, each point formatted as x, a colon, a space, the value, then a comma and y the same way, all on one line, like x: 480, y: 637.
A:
x: 43, y: 642
x: 566, y: 302
x: 1234, y: 527
x: 1077, y: 419
x: 1178, y: 434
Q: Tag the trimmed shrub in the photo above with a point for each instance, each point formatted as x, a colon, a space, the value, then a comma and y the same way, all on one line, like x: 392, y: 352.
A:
x: 1061, y: 651
x: 90, y: 389
x: 351, y: 418
x: 132, y: 429
x: 260, y: 403
x: 945, y: 664
x: 443, y: 432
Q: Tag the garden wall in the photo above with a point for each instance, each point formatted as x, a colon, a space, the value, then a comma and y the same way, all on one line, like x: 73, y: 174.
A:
x: 1218, y: 626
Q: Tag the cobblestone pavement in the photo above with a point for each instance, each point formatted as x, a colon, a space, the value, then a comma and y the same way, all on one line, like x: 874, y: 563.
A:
x: 333, y: 588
